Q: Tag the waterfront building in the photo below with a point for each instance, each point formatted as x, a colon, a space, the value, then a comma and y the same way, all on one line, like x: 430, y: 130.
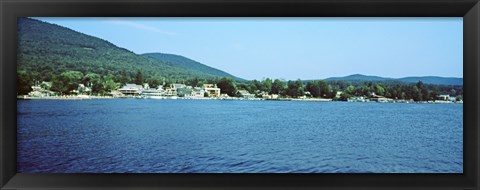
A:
x: 339, y: 93
x: 146, y: 86
x: 184, y: 92
x: 150, y: 92
x: 115, y: 93
x: 246, y: 94
x: 357, y: 99
x: 198, y: 92
x: 444, y: 97
x: 131, y: 89
x: 174, y: 87
x: 82, y: 89
x: 378, y: 98
x: 261, y: 93
x: 271, y: 96
x: 41, y: 90
x: 225, y: 96
x: 170, y: 92
x: 212, y: 90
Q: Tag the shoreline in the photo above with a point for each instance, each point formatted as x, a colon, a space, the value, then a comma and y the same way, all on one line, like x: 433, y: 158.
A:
x: 86, y: 97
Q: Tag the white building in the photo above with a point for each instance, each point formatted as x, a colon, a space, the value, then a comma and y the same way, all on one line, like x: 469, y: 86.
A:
x: 443, y: 97
x: 246, y: 94
x: 212, y: 90
x: 82, y: 89
x: 198, y: 92
x: 131, y: 89
x: 41, y: 90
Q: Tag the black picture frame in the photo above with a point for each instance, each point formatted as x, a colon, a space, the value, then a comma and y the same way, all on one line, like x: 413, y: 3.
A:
x: 468, y: 9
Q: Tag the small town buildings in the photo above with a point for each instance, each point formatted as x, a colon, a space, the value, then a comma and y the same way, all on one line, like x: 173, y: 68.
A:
x: 246, y: 94
x: 45, y: 85
x: 146, y: 86
x: 41, y: 90
x: 261, y: 93
x: 225, y: 96
x: 198, y: 92
x: 131, y: 89
x: 184, y: 92
x: 443, y: 97
x: 271, y: 96
x: 357, y: 99
x: 170, y: 92
x: 174, y: 87
x: 339, y: 93
x: 378, y: 98
x: 212, y: 90
x: 82, y: 89
x: 115, y: 93
x: 151, y: 92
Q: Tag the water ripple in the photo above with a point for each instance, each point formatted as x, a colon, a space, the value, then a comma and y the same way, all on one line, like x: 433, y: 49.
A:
x: 184, y: 136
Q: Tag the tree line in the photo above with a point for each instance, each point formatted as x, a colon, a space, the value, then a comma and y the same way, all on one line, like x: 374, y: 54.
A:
x: 328, y: 89
x: 66, y: 82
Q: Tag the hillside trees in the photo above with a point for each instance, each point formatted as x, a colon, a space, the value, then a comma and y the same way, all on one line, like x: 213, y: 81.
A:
x: 45, y: 51
x: 67, y: 81
x: 108, y: 85
x: 94, y: 81
x: 24, y: 83
x: 227, y: 86
x: 139, y: 78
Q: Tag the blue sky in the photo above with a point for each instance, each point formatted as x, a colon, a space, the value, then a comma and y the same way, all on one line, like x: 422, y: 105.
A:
x: 292, y: 48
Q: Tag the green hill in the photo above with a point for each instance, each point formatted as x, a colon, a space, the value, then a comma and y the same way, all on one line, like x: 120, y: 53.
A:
x: 45, y: 51
x: 188, y: 64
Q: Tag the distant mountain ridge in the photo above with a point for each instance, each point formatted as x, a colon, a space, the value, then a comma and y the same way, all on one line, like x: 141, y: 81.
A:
x: 425, y: 79
x: 358, y: 77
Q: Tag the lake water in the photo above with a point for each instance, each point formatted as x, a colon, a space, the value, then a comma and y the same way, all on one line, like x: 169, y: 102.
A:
x: 178, y: 136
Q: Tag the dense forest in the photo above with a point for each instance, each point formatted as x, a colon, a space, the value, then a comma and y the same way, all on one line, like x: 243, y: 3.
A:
x: 328, y: 89
x: 187, y: 63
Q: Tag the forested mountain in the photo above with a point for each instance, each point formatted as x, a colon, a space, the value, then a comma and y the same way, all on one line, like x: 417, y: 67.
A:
x: 46, y: 51
x: 424, y: 79
x: 189, y: 64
